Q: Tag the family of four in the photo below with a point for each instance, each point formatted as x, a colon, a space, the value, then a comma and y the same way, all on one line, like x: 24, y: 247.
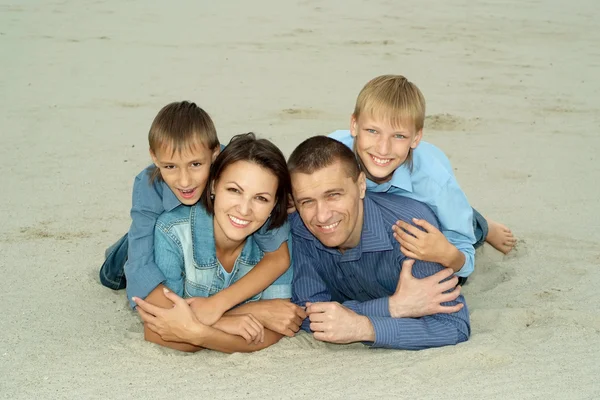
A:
x: 362, y: 236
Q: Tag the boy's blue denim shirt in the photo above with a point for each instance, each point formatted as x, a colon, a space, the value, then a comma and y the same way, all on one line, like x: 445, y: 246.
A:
x: 184, y: 250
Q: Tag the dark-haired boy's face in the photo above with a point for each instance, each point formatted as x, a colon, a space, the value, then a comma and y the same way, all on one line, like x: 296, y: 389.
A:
x: 185, y: 172
x: 330, y: 204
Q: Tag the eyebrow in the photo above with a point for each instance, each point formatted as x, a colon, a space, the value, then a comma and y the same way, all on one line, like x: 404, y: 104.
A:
x: 242, y: 189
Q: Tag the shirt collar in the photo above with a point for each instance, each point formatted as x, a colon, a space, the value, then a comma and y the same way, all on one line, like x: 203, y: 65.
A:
x: 170, y: 201
x: 400, y: 178
x: 374, y: 235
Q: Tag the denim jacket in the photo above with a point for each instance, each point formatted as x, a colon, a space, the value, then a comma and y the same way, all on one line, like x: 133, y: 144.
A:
x: 184, y: 249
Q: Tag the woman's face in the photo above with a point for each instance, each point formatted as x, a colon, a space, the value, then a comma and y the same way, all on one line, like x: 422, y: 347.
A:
x: 244, y: 198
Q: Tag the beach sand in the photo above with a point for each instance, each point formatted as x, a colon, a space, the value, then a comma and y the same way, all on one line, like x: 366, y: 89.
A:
x: 511, y: 100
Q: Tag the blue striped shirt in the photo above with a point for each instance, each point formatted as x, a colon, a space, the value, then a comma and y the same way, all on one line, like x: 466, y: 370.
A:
x: 364, y: 277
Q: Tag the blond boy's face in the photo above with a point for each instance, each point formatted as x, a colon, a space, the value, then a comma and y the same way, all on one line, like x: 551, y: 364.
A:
x: 185, y: 172
x: 381, y: 147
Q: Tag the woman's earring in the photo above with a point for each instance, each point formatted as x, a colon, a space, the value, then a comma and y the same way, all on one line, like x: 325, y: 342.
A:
x: 212, y: 196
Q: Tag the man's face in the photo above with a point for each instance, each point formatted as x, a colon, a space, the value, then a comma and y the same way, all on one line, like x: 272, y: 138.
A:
x: 381, y: 147
x: 330, y: 205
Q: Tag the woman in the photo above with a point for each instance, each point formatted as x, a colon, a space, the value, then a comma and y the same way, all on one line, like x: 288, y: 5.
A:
x: 205, y: 248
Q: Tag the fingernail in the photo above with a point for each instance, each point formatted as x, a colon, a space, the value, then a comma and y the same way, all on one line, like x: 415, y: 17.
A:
x: 166, y: 290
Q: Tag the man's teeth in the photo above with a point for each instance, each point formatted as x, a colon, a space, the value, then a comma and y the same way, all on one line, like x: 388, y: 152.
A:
x: 381, y: 161
x: 327, y: 227
x: 238, y: 221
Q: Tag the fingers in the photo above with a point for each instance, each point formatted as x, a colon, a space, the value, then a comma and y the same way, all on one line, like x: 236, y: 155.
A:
x: 406, y: 240
x: 317, y: 327
x: 147, y: 307
x: 173, y: 297
x: 147, y: 318
x: 259, y: 329
x: 316, y: 307
x: 424, y: 224
x: 402, y: 227
x: 448, y: 297
x: 450, y: 309
x: 449, y: 284
x: 443, y: 274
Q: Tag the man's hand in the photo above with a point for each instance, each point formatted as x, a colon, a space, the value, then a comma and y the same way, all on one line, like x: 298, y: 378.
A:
x: 244, y: 325
x: 416, y: 298
x: 206, y: 309
x: 176, y: 324
x: 334, y: 323
x: 428, y: 245
x: 278, y: 315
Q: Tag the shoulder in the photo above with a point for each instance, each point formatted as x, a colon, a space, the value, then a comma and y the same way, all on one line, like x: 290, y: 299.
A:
x: 393, y: 208
x: 143, y: 182
x: 431, y: 166
x: 178, y: 216
x: 343, y: 136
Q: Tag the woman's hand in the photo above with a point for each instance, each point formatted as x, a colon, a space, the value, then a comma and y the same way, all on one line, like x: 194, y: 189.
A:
x: 176, y: 324
x: 206, y: 309
x: 244, y: 325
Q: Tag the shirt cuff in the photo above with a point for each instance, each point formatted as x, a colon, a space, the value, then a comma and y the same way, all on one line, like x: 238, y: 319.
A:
x: 371, y: 308
x: 142, y: 281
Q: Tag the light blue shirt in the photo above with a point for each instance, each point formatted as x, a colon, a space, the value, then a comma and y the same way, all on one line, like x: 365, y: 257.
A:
x: 150, y: 200
x: 432, y: 182
x: 363, y: 278
x: 184, y: 247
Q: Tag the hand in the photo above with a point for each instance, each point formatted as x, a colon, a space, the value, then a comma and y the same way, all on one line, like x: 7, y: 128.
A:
x: 176, y: 324
x: 416, y: 298
x: 334, y: 323
x: 278, y: 315
x: 244, y: 325
x: 205, y: 309
x: 428, y: 245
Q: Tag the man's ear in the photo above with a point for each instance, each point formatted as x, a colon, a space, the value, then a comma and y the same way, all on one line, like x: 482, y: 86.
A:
x: 215, y: 154
x: 417, y: 139
x: 362, y: 184
x: 353, y: 126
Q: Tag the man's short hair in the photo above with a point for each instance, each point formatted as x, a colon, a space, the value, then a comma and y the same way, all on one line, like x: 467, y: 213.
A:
x: 318, y: 152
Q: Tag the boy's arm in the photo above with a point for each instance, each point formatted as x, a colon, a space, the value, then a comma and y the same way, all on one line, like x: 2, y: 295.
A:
x: 275, y: 263
x: 452, y: 244
x: 141, y: 271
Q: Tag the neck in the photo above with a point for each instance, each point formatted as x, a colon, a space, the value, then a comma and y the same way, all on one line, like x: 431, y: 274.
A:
x: 224, y: 245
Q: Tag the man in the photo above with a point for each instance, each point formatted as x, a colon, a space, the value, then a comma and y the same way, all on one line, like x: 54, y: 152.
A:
x: 349, y: 271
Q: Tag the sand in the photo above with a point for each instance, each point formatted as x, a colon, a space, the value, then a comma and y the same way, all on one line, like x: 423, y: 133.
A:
x: 512, y: 99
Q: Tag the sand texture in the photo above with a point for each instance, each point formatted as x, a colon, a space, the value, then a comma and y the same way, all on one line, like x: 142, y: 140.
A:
x: 512, y: 100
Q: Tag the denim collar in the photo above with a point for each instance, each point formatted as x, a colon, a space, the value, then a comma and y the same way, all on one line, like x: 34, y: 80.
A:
x: 170, y: 201
x: 374, y: 235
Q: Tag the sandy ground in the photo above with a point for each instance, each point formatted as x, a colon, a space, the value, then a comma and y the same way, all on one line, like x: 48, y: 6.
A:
x: 511, y: 99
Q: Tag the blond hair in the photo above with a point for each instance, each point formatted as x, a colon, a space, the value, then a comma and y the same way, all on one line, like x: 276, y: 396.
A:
x: 394, y: 99
x: 180, y: 126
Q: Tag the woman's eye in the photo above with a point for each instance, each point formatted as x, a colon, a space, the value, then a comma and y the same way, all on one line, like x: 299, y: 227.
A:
x: 233, y: 190
x: 261, y: 198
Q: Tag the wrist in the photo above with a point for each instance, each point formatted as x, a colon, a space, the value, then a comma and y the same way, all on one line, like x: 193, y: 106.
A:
x: 366, y: 331
x: 396, y: 309
x: 198, y: 334
x: 451, y: 257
